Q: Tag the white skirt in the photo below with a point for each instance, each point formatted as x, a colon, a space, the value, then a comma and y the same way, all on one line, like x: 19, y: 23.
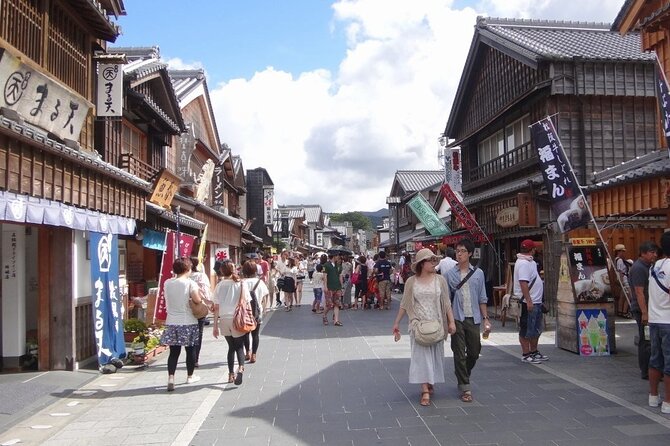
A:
x: 426, y: 364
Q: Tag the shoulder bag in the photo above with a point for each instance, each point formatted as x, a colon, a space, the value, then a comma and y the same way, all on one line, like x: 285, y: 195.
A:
x: 243, y: 318
x: 199, y: 309
x: 429, y: 332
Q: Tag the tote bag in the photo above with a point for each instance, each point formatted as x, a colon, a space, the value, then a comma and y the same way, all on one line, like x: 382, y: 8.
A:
x: 243, y: 318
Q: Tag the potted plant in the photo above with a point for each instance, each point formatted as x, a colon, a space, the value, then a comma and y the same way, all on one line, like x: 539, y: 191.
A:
x: 133, y: 328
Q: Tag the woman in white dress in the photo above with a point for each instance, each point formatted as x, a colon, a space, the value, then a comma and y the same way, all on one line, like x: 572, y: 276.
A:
x: 426, y: 298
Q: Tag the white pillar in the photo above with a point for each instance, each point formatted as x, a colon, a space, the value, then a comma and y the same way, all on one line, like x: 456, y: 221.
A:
x: 13, y: 291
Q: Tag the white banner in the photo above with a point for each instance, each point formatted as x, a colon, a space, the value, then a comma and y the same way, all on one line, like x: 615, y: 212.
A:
x: 109, y: 101
x: 268, y: 203
x: 453, y: 168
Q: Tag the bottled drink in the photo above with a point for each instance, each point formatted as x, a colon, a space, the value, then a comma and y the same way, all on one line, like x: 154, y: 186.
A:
x: 487, y: 329
x: 646, y: 332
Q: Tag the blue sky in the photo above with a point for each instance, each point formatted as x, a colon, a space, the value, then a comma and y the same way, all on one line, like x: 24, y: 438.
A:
x: 331, y: 97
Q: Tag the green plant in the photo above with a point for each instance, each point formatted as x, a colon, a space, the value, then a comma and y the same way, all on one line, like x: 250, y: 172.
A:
x: 152, y: 343
x: 134, y: 325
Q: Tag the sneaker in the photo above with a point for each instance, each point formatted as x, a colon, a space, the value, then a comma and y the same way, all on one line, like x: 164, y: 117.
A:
x: 192, y: 379
x: 665, y: 407
x: 530, y: 359
x: 540, y: 357
x: 654, y: 400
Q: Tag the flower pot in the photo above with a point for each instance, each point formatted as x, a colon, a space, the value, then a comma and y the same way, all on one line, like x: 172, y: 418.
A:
x: 128, y: 336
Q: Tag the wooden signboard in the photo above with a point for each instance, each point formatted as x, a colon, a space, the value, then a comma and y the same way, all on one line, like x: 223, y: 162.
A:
x: 165, y: 188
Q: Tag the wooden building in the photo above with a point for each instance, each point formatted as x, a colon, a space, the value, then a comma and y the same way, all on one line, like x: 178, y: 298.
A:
x: 598, y: 87
x: 53, y: 185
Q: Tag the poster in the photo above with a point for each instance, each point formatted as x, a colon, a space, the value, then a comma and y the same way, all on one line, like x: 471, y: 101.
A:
x: 592, y: 331
x: 588, y: 274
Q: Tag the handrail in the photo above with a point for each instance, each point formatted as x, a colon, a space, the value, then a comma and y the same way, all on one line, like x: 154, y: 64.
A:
x: 137, y: 167
x: 510, y: 159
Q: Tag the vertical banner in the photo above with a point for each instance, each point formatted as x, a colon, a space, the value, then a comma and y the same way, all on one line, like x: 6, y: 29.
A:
x: 109, y: 100
x: 268, y: 204
x: 185, y: 248
x: 218, y: 179
x: 663, y: 101
x: 107, y: 304
x: 186, y: 146
x: 462, y: 214
x: 453, y: 169
x: 427, y: 215
x: 567, y: 201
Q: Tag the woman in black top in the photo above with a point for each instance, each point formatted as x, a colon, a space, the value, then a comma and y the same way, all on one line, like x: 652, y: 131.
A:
x: 362, y: 285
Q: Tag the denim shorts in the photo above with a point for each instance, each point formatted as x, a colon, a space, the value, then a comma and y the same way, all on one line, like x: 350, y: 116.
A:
x: 530, y: 322
x: 660, y: 347
x: 318, y: 293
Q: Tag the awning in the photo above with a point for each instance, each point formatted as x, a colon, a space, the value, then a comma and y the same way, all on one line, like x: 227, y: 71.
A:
x: 24, y: 209
x: 171, y: 216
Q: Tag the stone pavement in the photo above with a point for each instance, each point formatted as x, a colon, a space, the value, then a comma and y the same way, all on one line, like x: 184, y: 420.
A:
x: 316, y: 384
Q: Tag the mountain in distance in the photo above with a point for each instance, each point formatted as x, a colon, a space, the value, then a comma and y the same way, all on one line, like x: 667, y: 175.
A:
x: 377, y: 216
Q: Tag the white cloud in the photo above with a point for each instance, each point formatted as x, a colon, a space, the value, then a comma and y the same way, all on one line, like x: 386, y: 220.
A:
x: 336, y: 139
x: 176, y: 63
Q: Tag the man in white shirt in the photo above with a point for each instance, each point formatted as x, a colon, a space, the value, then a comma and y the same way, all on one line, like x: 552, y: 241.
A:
x: 529, y: 287
x: 447, y: 263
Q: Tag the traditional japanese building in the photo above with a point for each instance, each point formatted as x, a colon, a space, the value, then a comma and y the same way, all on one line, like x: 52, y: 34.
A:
x: 597, y: 86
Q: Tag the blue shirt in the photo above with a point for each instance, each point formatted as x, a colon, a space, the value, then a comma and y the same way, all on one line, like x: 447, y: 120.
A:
x: 478, y: 296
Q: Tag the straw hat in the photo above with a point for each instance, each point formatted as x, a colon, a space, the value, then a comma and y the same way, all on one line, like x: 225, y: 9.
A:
x: 423, y: 254
x: 620, y: 247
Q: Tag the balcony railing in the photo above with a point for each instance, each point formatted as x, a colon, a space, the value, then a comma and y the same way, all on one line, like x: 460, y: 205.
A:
x: 491, y: 169
x: 136, y: 167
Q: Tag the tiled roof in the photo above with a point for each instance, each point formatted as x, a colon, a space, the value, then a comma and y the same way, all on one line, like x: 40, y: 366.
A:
x: 312, y: 213
x: 418, y: 180
x: 549, y: 39
x: 650, y: 165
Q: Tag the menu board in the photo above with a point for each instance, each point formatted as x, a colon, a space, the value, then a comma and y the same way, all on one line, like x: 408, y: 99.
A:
x: 588, y: 273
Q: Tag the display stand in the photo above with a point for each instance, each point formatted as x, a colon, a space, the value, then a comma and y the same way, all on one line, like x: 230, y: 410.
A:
x: 577, y: 335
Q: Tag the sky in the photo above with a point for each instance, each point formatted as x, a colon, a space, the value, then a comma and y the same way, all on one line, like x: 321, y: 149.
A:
x: 331, y: 97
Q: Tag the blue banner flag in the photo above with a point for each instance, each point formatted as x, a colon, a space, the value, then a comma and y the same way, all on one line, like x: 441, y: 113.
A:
x: 663, y: 101
x: 107, y: 302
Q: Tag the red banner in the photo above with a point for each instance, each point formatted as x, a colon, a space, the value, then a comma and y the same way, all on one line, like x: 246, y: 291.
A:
x: 185, y: 247
x: 462, y: 214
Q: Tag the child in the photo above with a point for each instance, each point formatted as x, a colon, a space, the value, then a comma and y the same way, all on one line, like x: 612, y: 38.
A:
x: 317, y: 286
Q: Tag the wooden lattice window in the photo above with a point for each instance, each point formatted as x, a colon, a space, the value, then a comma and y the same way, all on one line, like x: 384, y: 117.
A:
x: 68, y: 55
x: 134, y: 142
x: 21, y: 24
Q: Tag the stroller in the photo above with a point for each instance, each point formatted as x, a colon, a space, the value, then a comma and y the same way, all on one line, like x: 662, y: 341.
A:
x: 372, y: 296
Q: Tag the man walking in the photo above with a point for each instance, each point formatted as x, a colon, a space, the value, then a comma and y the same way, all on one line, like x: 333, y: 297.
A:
x: 333, y: 289
x: 659, y: 327
x: 383, y: 273
x: 468, y: 290
x: 529, y: 287
x: 638, y: 277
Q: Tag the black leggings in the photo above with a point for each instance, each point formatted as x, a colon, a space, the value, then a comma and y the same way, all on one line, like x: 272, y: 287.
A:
x: 201, y: 327
x: 255, y: 337
x: 235, y: 347
x: 175, y: 351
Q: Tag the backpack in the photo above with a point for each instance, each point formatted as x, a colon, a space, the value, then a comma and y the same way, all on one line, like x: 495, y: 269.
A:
x: 255, y: 308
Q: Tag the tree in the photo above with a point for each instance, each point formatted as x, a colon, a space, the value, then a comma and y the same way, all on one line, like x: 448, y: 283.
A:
x: 357, y: 219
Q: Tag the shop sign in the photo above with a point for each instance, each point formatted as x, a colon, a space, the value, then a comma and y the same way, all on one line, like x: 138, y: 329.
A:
x: 164, y: 189
x: 268, y: 204
x: 319, y: 239
x: 204, y: 181
x: 109, y: 100
x: 508, y: 217
x: 476, y: 238
x: 427, y: 215
x: 40, y: 100
x: 409, y: 246
x: 218, y: 180
x: 453, y: 171
x: 461, y: 212
x: 588, y: 273
x: 583, y: 241
x: 186, y: 146
x: 222, y: 254
x: 527, y: 212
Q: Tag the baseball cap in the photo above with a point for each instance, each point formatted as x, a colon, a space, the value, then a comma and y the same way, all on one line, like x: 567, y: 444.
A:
x: 527, y: 244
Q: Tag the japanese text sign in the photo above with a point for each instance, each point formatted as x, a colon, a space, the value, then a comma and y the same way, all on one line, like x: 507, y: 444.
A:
x: 109, y: 100
x: 164, y: 189
x: 461, y: 213
x: 588, y: 273
x: 427, y: 215
x: 268, y: 203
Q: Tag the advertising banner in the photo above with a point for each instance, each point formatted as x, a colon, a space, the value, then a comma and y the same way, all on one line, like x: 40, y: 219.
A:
x: 268, y: 204
x: 427, y: 215
x: 567, y: 201
x: 592, y: 331
x: 107, y: 303
x: 663, y: 101
x: 185, y: 248
x: 588, y: 273
x: 462, y: 214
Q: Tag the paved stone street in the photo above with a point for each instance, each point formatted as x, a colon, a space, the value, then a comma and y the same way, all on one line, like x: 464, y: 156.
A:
x: 316, y: 384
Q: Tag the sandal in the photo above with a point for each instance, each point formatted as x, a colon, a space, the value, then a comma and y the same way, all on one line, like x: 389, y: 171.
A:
x: 231, y: 377
x: 431, y: 389
x: 252, y: 359
x: 238, y: 377
x: 466, y: 396
x: 425, y: 399
x: 325, y: 321
x: 338, y: 323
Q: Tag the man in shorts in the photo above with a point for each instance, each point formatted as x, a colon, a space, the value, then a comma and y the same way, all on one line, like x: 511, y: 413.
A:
x: 333, y: 289
x: 529, y: 287
x: 382, y: 271
x: 659, y: 327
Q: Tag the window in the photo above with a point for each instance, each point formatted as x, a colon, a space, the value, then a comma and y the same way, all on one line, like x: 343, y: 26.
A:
x: 134, y: 142
x: 504, y: 141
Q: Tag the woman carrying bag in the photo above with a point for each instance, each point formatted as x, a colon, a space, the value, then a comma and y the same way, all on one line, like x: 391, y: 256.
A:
x: 227, y: 294
x: 426, y: 303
